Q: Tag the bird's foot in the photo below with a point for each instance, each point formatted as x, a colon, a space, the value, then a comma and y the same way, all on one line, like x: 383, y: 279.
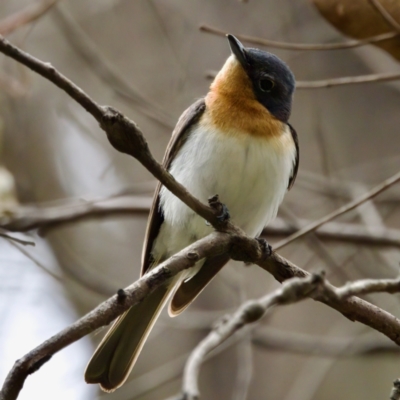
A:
x: 265, y: 248
x: 224, y: 214
x: 220, y: 208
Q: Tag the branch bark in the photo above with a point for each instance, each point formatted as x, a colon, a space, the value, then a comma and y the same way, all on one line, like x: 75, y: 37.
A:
x: 340, y: 211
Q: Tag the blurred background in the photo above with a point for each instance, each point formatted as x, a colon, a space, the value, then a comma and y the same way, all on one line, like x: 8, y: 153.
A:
x: 150, y: 60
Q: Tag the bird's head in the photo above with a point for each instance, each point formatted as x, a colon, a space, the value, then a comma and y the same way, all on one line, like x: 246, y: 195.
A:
x: 257, y: 74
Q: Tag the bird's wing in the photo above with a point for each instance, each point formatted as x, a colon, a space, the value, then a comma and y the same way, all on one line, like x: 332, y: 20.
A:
x: 297, y: 158
x: 178, y: 138
x: 188, y: 290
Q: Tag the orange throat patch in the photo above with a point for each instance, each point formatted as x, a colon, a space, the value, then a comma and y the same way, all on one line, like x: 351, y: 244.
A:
x: 233, y: 108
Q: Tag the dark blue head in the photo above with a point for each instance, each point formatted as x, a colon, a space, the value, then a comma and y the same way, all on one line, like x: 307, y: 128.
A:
x: 273, y: 82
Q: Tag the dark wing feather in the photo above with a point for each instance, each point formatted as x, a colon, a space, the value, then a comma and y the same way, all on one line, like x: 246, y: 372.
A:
x: 190, y: 289
x: 189, y: 117
x: 297, y: 158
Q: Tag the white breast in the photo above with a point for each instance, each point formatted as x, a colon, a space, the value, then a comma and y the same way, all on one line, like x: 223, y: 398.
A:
x: 249, y: 174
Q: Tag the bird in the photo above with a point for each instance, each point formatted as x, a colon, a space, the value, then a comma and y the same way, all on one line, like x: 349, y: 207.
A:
x: 235, y: 142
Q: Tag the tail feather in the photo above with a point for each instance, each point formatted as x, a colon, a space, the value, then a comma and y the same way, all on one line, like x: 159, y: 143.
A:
x: 117, y: 353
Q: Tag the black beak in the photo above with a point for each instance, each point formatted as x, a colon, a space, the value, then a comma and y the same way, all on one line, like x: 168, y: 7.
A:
x: 238, y: 50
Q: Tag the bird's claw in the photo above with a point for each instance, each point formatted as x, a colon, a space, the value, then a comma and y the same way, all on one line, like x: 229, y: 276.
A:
x: 265, y: 248
x: 224, y: 215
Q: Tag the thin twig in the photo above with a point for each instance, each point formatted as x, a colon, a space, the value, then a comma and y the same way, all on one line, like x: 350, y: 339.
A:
x: 292, y: 291
x: 385, y: 15
x: 14, y: 239
x: 25, y: 16
x: 366, y: 286
x: 37, y: 263
x: 340, y: 211
x: 348, y: 80
x: 303, y: 46
x: 26, y: 218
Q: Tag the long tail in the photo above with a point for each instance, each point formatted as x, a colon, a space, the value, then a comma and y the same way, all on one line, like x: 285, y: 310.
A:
x: 117, y: 353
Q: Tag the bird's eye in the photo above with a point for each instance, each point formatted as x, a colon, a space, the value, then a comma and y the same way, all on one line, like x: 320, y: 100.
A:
x: 266, y: 85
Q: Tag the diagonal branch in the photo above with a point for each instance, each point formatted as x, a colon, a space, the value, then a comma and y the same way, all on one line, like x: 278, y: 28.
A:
x: 107, y: 311
x: 123, y: 134
x: 241, y: 247
x: 340, y: 211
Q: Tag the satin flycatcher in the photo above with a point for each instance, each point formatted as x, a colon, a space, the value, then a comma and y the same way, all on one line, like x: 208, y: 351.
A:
x: 237, y: 143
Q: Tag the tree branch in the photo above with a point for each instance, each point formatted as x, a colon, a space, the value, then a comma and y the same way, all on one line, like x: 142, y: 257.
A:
x: 292, y: 291
x: 106, y: 312
x: 348, y: 80
x: 303, y: 46
x: 340, y: 211
x: 45, y: 217
x: 123, y: 134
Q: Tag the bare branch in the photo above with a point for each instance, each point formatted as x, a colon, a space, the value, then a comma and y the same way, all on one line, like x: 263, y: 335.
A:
x: 340, y: 211
x: 348, y: 80
x: 303, y: 46
x: 14, y: 239
x: 36, y: 262
x: 109, y: 310
x: 385, y: 15
x: 238, y: 246
x: 292, y: 291
x: 26, y: 218
x: 25, y: 16
x: 46, y: 217
x: 123, y: 134
x: 366, y: 286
